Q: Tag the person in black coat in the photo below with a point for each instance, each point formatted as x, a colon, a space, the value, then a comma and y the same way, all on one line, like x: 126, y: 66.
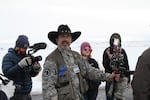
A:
x: 109, y: 63
x: 19, y: 68
x: 92, y: 92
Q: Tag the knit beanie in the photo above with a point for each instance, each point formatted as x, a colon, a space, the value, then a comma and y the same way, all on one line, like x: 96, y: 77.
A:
x: 22, y: 41
x: 84, y: 45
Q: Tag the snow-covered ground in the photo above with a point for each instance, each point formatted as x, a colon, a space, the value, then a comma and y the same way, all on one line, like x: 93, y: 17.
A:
x: 133, y: 50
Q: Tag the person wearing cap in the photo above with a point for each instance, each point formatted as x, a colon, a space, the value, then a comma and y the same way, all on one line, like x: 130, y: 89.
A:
x: 19, y: 68
x: 65, y: 70
x: 86, y: 50
x: 115, y: 59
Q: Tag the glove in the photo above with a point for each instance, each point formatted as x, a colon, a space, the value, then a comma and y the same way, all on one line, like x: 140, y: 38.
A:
x: 117, y: 77
x: 26, y: 61
x: 36, y: 67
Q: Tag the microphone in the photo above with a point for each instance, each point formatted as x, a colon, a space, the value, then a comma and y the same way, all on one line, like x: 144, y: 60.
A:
x: 38, y: 46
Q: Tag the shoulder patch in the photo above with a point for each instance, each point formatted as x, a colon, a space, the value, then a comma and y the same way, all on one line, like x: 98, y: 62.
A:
x: 46, y: 73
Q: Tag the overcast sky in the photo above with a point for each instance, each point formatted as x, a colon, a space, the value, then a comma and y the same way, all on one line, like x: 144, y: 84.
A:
x: 96, y: 19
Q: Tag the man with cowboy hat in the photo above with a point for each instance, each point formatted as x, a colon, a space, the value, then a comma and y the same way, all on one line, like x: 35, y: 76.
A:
x: 65, y: 70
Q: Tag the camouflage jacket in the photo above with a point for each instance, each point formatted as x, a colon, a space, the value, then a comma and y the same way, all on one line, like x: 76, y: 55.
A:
x: 64, y: 75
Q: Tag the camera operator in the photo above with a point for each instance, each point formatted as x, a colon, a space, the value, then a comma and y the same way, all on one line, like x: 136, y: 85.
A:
x: 17, y: 66
x: 115, y: 59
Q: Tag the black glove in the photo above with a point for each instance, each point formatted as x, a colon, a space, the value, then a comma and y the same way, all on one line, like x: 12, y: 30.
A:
x: 36, y: 67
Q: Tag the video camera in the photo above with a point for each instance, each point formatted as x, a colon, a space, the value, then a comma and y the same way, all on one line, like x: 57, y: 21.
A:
x: 34, y: 48
x: 117, y: 60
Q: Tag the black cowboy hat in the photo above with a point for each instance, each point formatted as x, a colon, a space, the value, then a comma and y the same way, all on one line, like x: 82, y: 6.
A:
x: 61, y: 30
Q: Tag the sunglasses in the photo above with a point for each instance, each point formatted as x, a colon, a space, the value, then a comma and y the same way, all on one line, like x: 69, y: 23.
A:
x: 87, y: 49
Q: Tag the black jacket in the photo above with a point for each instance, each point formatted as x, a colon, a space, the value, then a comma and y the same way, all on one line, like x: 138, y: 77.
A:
x: 106, y: 62
x: 20, y: 76
x: 93, y: 84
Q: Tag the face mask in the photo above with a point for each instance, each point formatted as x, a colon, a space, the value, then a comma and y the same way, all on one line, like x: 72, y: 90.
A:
x: 116, y: 42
